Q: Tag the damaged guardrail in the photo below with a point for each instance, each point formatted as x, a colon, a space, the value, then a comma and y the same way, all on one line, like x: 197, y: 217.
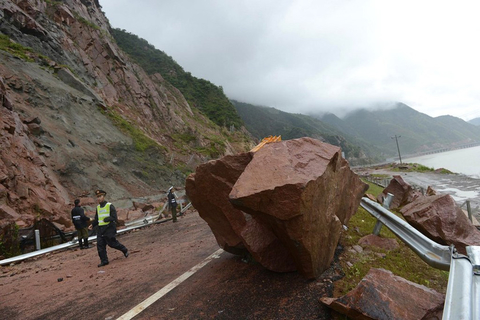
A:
x: 434, y: 254
x: 463, y: 290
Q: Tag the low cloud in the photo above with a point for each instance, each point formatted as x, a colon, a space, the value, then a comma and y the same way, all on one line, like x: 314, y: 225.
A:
x: 307, y: 55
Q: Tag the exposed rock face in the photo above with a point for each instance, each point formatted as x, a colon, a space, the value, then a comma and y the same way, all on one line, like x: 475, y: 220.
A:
x: 27, y: 184
x: 289, y: 201
x: 60, y: 114
x: 403, y: 193
x: 440, y: 219
x: 383, y: 296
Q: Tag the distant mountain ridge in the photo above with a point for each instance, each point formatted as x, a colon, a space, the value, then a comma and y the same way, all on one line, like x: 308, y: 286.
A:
x: 418, y: 132
x: 364, y: 133
x: 263, y: 121
x: 475, y: 121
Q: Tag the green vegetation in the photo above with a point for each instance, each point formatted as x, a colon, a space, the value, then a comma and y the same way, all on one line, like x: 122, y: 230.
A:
x: 9, y: 244
x: 141, y: 141
x: 53, y: 3
x: 19, y: 51
x: 199, y: 93
x: 264, y: 121
x: 418, y: 132
x: 413, y: 167
x: 184, y: 137
x: 402, y: 261
x: 85, y: 21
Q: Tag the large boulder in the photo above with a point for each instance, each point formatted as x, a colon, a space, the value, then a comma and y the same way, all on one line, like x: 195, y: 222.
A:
x: 439, y: 218
x: 402, y: 192
x: 304, y: 191
x: 381, y: 295
x: 235, y: 231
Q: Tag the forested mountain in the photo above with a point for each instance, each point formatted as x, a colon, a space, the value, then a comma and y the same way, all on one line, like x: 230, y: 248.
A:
x: 418, y: 132
x: 265, y: 121
x: 365, y: 135
x: 199, y: 93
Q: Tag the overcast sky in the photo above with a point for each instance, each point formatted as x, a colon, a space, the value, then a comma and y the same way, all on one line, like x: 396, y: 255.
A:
x: 319, y: 55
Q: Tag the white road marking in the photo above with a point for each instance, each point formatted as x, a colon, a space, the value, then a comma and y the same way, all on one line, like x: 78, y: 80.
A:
x: 160, y: 293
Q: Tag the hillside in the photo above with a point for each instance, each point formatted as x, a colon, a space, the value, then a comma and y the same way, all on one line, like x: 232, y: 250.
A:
x: 266, y: 121
x: 199, y: 93
x: 78, y: 114
x: 418, y: 132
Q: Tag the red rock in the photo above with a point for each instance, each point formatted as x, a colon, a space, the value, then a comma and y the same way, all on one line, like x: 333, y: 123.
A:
x: 430, y: 191
x: 381, y: 295
x: 130, y: 214
x: 236, y: 232
x: 379, y: 242
x: 7, y: 213
x: 304, y: 191
x: 403, y: 193
x: 442, y: 220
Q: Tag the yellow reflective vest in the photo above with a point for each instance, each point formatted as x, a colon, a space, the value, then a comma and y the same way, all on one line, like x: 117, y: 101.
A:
x: 103, y: 213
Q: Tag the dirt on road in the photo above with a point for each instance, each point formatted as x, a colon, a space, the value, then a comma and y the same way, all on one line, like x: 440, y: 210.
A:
x: 68, y: 284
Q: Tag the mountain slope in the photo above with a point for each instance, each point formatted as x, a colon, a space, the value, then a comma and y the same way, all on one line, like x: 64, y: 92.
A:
x: 475, y: 121
x: 76, y: 114
x: 200, y: 93
x: 266, y: 121
x: 418, y: 132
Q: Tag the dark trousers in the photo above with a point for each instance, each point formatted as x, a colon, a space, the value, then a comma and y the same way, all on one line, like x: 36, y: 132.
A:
x: 174, y: 212
x: 112, y: 242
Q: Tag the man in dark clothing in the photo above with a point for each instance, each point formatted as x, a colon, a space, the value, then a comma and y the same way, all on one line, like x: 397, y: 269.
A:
x: 80, y: 222
x: 172, y: 203
x: 106, y: 220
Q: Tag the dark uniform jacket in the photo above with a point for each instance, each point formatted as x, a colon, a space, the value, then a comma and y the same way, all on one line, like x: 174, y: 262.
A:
x: 79, y: 218
x: 109, y: 230
x: 172, y: 202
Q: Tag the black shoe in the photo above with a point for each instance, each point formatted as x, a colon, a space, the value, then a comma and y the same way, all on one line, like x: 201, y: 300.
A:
x: 87, y: 247
x: 126, y: 254
x: 103, y: 264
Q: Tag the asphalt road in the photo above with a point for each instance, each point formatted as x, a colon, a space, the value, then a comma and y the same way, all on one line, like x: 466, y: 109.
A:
x: 69, y: 285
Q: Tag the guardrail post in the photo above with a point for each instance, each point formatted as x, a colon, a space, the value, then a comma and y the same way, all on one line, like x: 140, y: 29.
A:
x: 469, y: 210
x: 37, y: 239
x: 386, y: 205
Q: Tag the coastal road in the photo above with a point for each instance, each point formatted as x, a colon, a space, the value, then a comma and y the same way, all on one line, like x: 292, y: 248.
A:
x: 68, y: 285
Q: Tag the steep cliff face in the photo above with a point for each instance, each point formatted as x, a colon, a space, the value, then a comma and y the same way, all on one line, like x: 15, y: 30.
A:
x: 76, y: 114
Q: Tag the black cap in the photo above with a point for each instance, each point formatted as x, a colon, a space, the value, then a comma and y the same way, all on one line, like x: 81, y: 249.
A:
x: 100, y: 192
x: 77, y: 201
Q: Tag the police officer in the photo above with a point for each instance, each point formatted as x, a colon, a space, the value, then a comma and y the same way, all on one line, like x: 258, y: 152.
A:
x: 80, y: 221
x: 106, y: 219
x: 172, y: 203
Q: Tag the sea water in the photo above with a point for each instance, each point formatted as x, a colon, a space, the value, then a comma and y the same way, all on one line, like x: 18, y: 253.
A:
x: 464, y: 161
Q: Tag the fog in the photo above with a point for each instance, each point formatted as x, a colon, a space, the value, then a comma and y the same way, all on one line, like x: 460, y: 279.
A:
x: 320, y: 56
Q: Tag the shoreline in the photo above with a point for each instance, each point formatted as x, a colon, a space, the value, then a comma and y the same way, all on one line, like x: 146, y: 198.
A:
x: 461, y: 187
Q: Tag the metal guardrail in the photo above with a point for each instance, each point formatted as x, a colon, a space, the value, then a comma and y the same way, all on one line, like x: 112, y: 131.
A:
x: 434, y: 254
x: 462, y: 300
x: 74, y: 243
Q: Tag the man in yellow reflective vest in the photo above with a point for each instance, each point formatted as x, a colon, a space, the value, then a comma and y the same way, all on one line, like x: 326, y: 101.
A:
x: 106, y: 219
